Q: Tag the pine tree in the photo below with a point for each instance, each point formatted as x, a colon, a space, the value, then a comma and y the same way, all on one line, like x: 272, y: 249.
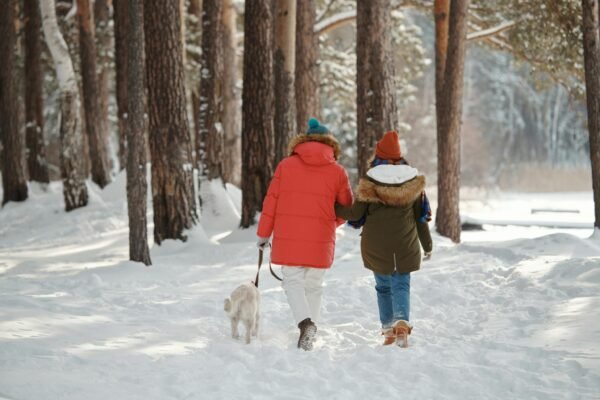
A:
x: 284, y: 62
x: 591, y: 47
x: 137, y: 186
x: 306, y: 83
x: 121, y: 23
x: 94, y: 124
x: 257, y: 105
x: 377, y: 111
x: 13, y: 176
x: 209, y: 143
x: 34, y: 101
x: 104, y: 36
x: 193, y: 65
x: 450, y: 112
x: 232, y: 164
x: 170, y: 149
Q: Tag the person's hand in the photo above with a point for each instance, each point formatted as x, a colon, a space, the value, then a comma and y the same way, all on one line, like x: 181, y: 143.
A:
x: 262, y: 243
x: 427, y: 255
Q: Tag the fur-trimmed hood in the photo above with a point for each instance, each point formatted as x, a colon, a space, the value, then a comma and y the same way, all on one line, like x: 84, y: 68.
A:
x: 371, y: 191
x: 327, y: 139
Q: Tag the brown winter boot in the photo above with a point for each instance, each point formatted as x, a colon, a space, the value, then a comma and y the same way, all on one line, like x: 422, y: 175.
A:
x: 308, y: 331
x: 401, y: 331
x: 389, y: 337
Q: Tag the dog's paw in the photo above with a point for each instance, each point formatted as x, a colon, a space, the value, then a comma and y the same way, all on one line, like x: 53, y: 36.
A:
x: 235, y: 336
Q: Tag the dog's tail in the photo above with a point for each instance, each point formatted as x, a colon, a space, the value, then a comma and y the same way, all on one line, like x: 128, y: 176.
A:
x: 227, y: 305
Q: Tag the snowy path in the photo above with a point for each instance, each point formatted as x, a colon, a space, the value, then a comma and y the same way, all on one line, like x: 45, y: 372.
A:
x: 495, y: 320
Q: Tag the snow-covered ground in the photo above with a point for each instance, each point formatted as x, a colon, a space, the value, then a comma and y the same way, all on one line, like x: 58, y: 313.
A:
x: 512, y: 313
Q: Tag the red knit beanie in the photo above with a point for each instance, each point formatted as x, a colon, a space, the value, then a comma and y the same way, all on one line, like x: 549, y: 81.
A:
x: 388, y: 148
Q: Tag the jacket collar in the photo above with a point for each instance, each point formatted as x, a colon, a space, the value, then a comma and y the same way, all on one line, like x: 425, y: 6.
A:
x: 371, y: 191
x: 329, y: 140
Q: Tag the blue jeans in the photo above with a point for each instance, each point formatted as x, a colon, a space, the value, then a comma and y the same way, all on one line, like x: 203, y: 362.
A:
x: 393, y: 297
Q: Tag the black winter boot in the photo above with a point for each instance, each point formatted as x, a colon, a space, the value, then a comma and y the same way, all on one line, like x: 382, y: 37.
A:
x: 308, y: 331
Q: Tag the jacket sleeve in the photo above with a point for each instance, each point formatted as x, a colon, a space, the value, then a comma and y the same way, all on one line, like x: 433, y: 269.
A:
x: 267, y: 216
x: 344, y: 195
x: 353, y: 212
x: 422, y: 227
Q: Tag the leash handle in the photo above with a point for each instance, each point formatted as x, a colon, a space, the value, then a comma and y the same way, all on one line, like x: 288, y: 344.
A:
x: 273, y: 273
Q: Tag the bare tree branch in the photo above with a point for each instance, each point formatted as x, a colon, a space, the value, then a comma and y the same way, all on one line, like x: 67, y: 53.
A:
x: 495, y: 30
x: 334, y: 22
x: 321, y: 16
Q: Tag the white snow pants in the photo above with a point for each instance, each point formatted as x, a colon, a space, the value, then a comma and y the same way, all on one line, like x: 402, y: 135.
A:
x: 303, y: 287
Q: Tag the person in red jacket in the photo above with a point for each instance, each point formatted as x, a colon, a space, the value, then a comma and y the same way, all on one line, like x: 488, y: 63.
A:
x: 299, y: 212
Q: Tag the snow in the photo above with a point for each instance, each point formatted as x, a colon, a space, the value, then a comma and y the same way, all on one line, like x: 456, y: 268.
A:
x: 511, y: 317
x: 559, y: 210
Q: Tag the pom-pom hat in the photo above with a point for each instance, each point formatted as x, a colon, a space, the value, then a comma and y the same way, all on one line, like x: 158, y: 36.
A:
x: 388, y: 147
x: 315, y: 127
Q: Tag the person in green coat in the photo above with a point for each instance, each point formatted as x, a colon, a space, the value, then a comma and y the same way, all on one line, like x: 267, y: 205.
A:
x: 389, y: 200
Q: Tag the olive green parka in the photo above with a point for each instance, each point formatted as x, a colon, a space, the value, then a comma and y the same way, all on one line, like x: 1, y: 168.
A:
x: 392, y: 235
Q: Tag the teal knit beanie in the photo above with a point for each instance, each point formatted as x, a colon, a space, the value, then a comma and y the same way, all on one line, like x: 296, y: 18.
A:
x: 315, y: 127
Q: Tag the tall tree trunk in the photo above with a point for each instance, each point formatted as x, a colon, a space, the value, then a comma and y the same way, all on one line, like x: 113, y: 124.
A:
x: 13, y: 176
x: 307, y: 68
x: 137, y: 186
x: 172, y: 187
x: 257, y: 106
x: 103, y: 47
x: 121, y: 23
x: 232, y: 163
x: 284, y: 63
x: 195, y: 9
x: 441, y: 16
x: 591, y: 47
x: 93, y: 123
x: 450, y: 103
x: 74, y: 188
x: 209, y: 144
x: 376, y: 93
x: 34, y: 101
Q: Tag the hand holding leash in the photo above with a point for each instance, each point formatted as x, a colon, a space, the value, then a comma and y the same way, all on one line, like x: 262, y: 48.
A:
x: 262, y: 243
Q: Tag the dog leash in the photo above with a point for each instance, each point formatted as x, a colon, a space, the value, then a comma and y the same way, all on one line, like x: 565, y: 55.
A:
x: 260, y: 261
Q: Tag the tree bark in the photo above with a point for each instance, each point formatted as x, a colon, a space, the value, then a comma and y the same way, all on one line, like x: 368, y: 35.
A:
x: 121, y: 23
x: 172, y: 187
x: 232, y: 162
x: 376, y: 93
x: 450, y: 104
x: 74, y: 188
x: 103, y: 47
x: 257, y: 106
x: 591, y: 47
x: 13, y: 175
x: 137, y: 186
x: 209, y: 144
x: 284, y: 62
x: 94, y: 125
x: 306, y: 83
x: 34, y: 101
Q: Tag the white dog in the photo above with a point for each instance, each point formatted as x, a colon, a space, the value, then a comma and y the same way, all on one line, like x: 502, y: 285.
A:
x: 244, y: 305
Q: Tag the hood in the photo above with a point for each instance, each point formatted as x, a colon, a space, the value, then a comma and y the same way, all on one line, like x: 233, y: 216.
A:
x: 315, y: 149
x: 394, y: 185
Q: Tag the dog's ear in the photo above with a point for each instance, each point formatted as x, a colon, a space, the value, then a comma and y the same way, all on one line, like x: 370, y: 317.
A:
x: 227, y: 305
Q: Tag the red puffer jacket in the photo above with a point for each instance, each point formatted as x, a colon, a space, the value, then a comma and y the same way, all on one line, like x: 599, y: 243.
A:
x: 299, y: 208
